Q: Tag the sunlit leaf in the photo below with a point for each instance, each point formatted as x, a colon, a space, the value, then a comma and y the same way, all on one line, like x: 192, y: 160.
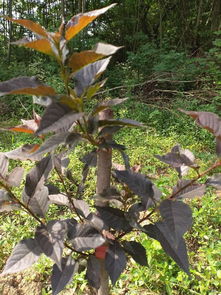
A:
x: 81, y: 59
x: 109, y: 103
x: 115, y: 261
x: 62, y: 277
x: 183, y: 190
x: 24, y: 153
x: 41, y: 45
x: 59, y: 199
x: 81, y: 20
x: 81, y: 207
x: 7, y: 206
x: 3, y: 165
x: 30, y: 25
x: 87, y: 75
x: 50, y: 239
x: 25, y: 85
x: 56, y: 117
x: 38, y: 202
x: 214, y: 181
x: 25, y: 253
x: 15, y: 177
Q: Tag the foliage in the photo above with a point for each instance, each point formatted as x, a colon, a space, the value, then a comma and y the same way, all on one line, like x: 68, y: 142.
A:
x: 100, y: 230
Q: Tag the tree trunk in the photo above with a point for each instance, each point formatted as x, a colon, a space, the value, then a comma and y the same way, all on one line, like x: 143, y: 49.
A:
x: 104, y: 164
x: 9, y: 31
x: 216, y: 15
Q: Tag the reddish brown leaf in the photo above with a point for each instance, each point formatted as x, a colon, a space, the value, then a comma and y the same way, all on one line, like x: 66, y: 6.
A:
x: 25, y: 85
x: 207, y: 120
x: 81, y: 59
x: 30, y: 25
x: 42, y: 45
x: 81, y: 20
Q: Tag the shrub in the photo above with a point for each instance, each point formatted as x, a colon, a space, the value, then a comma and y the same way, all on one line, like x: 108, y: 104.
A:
x: 94, y: 230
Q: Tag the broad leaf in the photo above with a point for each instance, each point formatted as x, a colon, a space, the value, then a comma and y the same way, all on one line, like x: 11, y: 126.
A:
x: 177, y: 216
x: 81, y: 207
x: 109, y: 130
x: 214, y: 181
x: 56, y: 117
x: 25, y: 253
x: 108, y: 104
x: 162, y: 233
x: 3, y: 165
x: 185, y: 191
x: 137, y: 183
x: 218, y: 147
x: 114, y: 218
x: 25, y: 85
x: 88, y: 242
x: 137, y: 251
x: 115, y: 261
x: 175, y: 159
x: 41, y: 45
x: 183, y: 170
x: 38, y: 202
x: 50, y: 239
x: 207, y: 120
x: 90, y: 159
x: 81, y: 20
x: 59, y: 199
x: 96, y: 222
x: 15, y: 177
x: 62, y: 277
x: 93, y: 272
x: 28, y: 126
x: 52, y: 143
x: 24, y: 152
x: 4, y: 196
x: 87, y: 75
x: 37, y: 176
x: 120, y: 122
x: 79, y: 60
x: 30, y: 25
x: 7, y: 206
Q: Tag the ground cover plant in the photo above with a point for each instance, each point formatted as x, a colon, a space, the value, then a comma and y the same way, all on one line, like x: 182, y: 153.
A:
x: 95, y: 232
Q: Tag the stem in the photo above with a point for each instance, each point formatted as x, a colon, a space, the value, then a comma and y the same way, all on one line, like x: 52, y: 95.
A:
x: 68, y: 194
x: 200, y: 175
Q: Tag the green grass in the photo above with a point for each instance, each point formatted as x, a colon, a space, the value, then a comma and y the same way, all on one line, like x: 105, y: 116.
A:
x: 162, y: 276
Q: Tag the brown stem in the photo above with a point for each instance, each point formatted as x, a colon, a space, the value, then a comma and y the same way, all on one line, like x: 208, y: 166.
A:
x: 68, y: 194
x: 104, y: 163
